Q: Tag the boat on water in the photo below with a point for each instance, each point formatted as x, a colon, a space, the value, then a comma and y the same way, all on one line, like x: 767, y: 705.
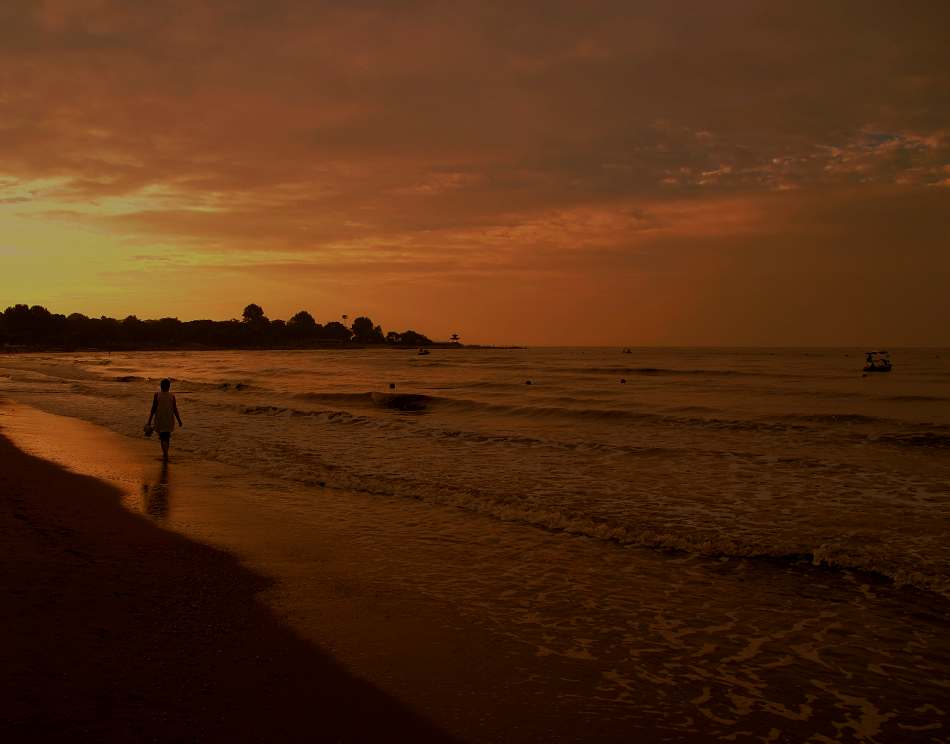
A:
x: 423, y: 352
x: 877, y: 361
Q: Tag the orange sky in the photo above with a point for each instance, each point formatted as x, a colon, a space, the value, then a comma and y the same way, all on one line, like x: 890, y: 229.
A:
x: 629, y: 172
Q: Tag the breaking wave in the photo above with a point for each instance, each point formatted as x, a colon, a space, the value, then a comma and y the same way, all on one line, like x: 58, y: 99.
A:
x: 834, y: 418
x: 926, y: 439
x: 917, y: 398
x: 659, y: 371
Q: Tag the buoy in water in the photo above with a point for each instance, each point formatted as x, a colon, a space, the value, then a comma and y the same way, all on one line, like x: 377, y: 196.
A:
x: 392, y: 386
x: 623, y: 380
x: 527, y: 382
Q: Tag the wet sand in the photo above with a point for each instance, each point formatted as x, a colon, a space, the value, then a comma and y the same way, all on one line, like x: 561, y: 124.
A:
x: 115, y: 630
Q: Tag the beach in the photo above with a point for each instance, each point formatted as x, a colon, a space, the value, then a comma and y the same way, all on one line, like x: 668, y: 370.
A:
x: 339, y: 595
x: 622, y: 595
x: 116, y: 630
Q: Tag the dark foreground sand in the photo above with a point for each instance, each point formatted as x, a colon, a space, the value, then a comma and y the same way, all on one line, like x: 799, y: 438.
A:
x: 114, y: 630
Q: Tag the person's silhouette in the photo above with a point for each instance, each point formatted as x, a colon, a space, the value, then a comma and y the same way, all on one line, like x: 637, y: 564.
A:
x: 164, y: 411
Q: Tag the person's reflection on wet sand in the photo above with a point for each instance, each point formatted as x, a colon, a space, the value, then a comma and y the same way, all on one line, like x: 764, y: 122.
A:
x: 155, y: 495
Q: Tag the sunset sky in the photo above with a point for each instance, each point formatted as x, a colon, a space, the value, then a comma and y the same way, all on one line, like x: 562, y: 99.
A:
x: 630, y: 172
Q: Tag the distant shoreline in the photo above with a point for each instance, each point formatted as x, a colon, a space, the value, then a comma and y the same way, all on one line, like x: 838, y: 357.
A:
x: 17, y: 349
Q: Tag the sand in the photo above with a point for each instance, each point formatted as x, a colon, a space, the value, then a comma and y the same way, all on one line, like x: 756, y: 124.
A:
x: 116, y: 630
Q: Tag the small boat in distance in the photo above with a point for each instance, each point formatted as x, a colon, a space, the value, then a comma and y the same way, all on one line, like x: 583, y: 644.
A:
x: 627, y: 351
x: 877, y: 361
x: 423, y: 352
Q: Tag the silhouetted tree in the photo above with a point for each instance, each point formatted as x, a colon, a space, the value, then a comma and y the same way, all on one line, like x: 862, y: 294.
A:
x: 336, y: 331
x: 277, y: 331
x: 302, y: 325
x: 132, y: 328
x: 362, y: 328
x: 207, y: 332
x: 365, y: 332
x: 229, y: 333
x: 79, y: 330
x: 40, y: 323
x: 254, y: 314
x: 17, y: 319
x: 255, y: 324
x: 411, y: 338
x: 170, y: 330
x: 36, y: 326
x: 104, y: 332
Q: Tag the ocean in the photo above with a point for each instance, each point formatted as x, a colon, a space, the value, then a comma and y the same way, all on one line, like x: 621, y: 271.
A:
x: 725, y: 540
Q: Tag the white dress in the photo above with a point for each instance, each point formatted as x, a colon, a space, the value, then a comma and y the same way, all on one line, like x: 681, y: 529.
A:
x: 164, y: 412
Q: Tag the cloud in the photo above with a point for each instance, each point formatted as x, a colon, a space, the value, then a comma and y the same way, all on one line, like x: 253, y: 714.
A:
x: 426, y: 139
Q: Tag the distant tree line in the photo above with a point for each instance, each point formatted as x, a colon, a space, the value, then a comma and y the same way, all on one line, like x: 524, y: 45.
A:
x: 23, y: 325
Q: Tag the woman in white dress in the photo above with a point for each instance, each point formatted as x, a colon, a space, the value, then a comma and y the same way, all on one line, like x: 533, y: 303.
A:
x: 164, y: 412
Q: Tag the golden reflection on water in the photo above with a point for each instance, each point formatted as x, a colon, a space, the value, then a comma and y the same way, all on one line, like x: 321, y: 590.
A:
x: 156, y: 494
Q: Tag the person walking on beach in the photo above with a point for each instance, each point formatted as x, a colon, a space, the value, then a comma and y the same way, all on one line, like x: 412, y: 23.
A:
x: 164, y: 411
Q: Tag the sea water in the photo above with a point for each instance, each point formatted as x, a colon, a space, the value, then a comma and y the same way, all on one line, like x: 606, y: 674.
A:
x: 764, y: 529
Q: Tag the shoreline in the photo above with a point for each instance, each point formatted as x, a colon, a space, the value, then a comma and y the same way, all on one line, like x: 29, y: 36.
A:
x: 118, y: 630
x: 11, y: 350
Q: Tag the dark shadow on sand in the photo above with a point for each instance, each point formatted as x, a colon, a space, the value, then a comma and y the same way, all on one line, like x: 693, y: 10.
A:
x: 116, y: 630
